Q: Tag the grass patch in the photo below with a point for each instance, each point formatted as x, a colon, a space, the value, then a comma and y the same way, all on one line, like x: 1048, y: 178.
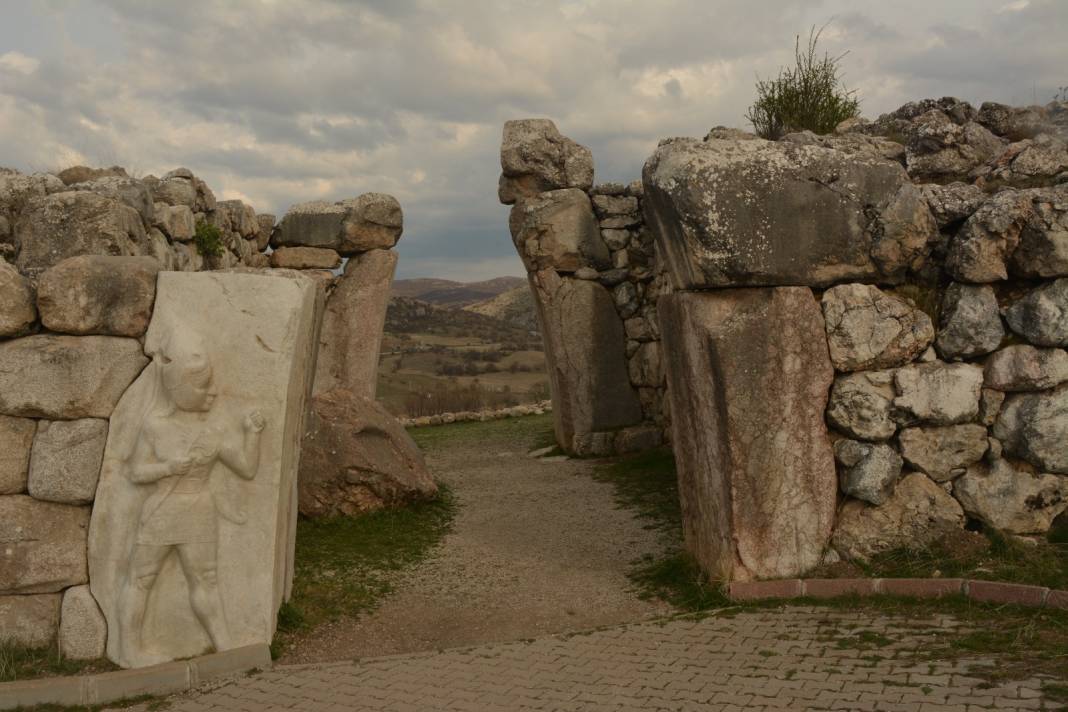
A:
x: 647, y: 484
x: 529, y: 431
x: 345, y: 565
x: 677, y: 579
x: 20, y: 662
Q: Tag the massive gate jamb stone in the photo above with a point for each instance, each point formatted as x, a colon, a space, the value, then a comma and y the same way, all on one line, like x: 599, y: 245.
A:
x: 748, y: 375
x: 760, y: 213
x: 191, y: 539
x: 585, y: 343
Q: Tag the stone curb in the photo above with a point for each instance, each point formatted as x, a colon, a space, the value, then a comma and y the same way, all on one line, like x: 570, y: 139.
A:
x: 983, y: 591
x: 163, y: 679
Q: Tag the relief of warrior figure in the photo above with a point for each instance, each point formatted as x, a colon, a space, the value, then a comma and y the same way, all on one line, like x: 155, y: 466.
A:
x: 180, y: 441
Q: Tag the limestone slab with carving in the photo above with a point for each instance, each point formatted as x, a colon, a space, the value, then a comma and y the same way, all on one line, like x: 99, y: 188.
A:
x: 191, y: 540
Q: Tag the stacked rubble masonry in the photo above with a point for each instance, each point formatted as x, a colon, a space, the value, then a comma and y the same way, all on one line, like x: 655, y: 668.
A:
x: 80, y: 255
x: 866, y: 341
x: 592, y: 269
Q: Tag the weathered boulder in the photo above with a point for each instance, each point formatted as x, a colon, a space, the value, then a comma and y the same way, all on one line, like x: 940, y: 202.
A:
x: 124, y: 189
x: 644, y: 366
x: 1041, y: 316
x: 941, y: 150
x: 867, y: 471
x: 1034, y: 426
x: 176, y: 190
x: 351, y: 336
x: 17, y: 189
x: 368, y: 222
x: 203, y: 449
x: 917, y: 513
x: 17, y: 310
x: 97, y: 294
x: 1013, y: 122
x: 585, y: 345
x: 356, y: 458
x: 1011, y: 500
x: 943, y: 452
x: 66, y: 377
x: 725, y: 214
x: 750, y: 366
x: 868, y: 329
x: 266, y: 223
x: 980, y: 250
x: 1030, y: 163
x: 1043, y: 248
x: 305, y: 258
x: 557, y: 230
x: 65, y: 461
x: 83, y: 632
x: 969, y: 323
x: 16, y: 439
x: 176, y: 221
x: 29, y: 620
x: 536, y: 157
x: 42, y: 545
x: 54, y: 227
x: 861, y: 405
x: 81, y: 174
x: 952, y: 203
x: 240, y: 218
x: 938, y: 393
x: 1024, y: 368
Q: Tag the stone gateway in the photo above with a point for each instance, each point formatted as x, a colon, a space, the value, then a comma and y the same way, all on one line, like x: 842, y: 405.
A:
x: 191, y: 539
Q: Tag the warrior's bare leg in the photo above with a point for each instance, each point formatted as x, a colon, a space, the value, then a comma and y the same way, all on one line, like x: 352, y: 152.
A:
x: 199, y: 561
x: 145, y: 564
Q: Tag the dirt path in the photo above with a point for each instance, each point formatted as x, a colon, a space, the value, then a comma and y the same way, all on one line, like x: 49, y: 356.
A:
x: 536, y: 548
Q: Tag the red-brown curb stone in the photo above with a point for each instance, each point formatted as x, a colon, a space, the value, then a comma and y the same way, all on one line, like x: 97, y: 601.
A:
x: 1015, y: 593
x: 832, y: 588
x: 755, y: 590
x: 1057, y: 599
x: 920, y: 587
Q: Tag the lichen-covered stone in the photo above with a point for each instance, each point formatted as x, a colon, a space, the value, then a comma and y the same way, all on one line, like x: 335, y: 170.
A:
x: 17, y: 310
x: 1041, y: 316
x: 867, y: 471
x: 969, y: 324
x: 97, y: 294
x: 42, y: 545
x: 557, y: 230
x: 861, y: 405
x: 374, y: 221
x: 917, y: 513
x: 868, y: 329
x: 1034, y: 426
x: 952, y: 203
x: 1043, y: 248
x: 979, y: 252
x: 66, y: 457
x: 305, y: 258
x: 1021, y: 367
x: 536, y: 157
x: 943, y: 452
x: 938, y: 393
x: 1011, y: 500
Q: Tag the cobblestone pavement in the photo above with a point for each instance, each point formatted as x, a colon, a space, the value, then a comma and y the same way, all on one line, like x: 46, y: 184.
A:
x: 783, y: 659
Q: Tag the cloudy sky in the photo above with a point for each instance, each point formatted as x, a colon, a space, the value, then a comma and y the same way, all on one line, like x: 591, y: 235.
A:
x: 281, y: 101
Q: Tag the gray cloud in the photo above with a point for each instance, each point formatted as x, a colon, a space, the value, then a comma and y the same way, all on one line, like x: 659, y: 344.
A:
x: 279, y: 102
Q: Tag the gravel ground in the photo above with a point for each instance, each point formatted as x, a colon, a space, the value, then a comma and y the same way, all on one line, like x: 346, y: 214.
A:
x: 536, y: 548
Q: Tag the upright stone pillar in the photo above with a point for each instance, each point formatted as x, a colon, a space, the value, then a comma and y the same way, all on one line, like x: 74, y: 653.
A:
x: 748, y: 376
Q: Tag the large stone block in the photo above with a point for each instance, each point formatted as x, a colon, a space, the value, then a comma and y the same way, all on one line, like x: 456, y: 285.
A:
x: 585, y: 348
x: 42, y: 545
x: 66, y: 457
x: 368, y: 222
x: 748, y: 375
x: 1041, y: 316
x: 66, y: 377
x: 305, y: 258
x: 867, y: 328
x: 862, y: 405
x: 83, y: 632
x: 1021, y: 367
x: 193, y: 524
x: 1034, y: 426
x: 969, y: 324
x: 52, y: 228
x: 536, y: 157
x: 17, y: 310
x: 16, y: 439
x: 938, y: 393
x: 29, y: 620
x: 1011, y: 500
x: 557, y: 230
x: 725, y: 213
x: 96, y: 294
x: 353, y: 324
x: 943, y: 452
x: 357, y: 458
x: 980, y: 250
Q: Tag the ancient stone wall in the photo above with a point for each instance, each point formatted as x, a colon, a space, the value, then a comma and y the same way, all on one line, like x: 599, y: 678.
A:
x: 593, y: 273
x: 866, y: 343
x: 81, y: 254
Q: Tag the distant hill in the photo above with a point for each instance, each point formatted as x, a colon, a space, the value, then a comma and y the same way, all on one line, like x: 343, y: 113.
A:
x: 447, y: 293
x: 413, y: 316
x: 515, y: 307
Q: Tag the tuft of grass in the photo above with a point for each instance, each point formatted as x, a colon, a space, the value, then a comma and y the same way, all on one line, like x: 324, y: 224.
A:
x: 346, y: 565
x: 647, y: 484
x: 677, y: 579
x: 529, y: 431
x: 208, y: 240
x: 21, y: 662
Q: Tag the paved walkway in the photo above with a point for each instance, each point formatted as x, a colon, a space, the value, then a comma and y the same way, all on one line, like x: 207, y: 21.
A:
x: 788, y: 659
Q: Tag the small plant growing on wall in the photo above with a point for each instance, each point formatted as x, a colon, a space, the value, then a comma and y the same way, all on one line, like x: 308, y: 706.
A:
x: 208, y: 240
x: 808, y: 96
